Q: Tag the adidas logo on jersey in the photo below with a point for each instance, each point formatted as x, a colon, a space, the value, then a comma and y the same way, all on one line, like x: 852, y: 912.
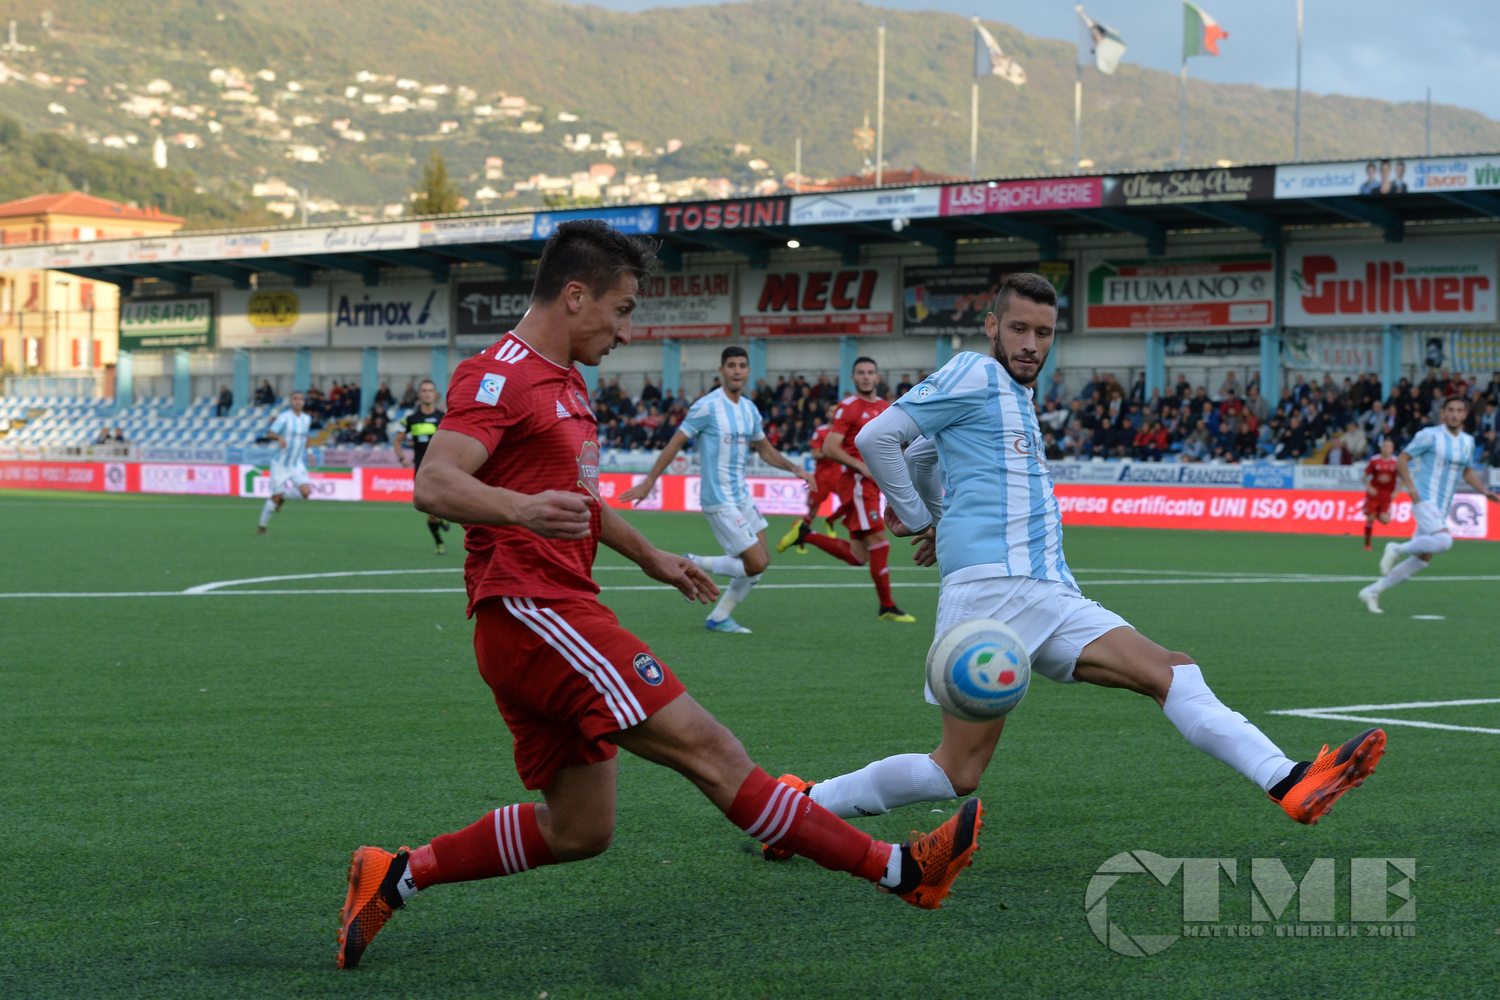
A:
x: 511, y: 351
x: 562, y: 411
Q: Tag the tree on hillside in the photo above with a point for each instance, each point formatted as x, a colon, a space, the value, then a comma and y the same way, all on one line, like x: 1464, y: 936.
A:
x: 436, y: 195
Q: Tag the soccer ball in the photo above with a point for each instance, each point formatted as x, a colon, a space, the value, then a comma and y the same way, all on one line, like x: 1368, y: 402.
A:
x: 978, y: 670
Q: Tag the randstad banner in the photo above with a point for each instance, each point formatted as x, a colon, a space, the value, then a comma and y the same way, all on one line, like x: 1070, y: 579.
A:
x: 405, y: 314
x: 1386, y: 177
x: 157, y: 324
x: 1439, y: 281
x: 1225, y: 292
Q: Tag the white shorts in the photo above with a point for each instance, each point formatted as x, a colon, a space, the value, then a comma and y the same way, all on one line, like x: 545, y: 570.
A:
x: 288, y: 478
x: 1053, y: 620
x: 1430, y: 520
x: 736, y: 528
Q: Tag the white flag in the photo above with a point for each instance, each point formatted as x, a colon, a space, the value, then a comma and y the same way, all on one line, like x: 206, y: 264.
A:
x: 1106, y: 44
x: 990, y: 61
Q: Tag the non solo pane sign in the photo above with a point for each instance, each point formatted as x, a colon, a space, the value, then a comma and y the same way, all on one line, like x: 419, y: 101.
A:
x: 1183, y: 293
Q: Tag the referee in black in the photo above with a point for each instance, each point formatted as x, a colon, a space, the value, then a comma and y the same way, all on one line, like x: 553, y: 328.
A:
x: 420, y: 425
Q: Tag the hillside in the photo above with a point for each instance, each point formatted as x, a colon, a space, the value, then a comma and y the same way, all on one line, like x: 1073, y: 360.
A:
x: 348, y: 106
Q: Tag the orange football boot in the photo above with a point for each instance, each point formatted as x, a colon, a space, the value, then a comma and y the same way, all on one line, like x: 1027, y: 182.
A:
x: 365, y: 907
x: 943, y: 853
x: 780, y: 853
x: 1331, y: 775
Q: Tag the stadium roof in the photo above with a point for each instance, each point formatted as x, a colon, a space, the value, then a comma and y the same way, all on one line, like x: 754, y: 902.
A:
x: 1264, y: 200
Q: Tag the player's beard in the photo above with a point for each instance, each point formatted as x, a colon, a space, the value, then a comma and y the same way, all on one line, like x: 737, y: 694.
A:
x: 1005, y: 362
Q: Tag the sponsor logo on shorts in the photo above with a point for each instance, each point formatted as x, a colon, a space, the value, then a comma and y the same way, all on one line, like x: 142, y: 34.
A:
x: 650, y: 671
x: 489, y: 389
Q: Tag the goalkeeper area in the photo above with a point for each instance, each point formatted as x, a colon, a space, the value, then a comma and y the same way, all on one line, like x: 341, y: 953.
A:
x: 200, y: 724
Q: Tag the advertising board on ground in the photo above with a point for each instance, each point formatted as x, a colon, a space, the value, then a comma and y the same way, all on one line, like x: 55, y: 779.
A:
x: 690, y: 305
x: 158, y: 324
x: 855, y: 301
x: 401, y: 314
x: 284, y: 317
x: 953, y: 301
x: 1417, y: 281
x: 488, y: 310
x: 1221, y: 292
x: 1388, y: 176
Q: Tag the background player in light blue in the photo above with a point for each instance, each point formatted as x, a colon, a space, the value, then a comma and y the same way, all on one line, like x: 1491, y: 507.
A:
x: 1445, y: 453
x: 289, y: 467
x: 726, y: 424
x: 987, y: 502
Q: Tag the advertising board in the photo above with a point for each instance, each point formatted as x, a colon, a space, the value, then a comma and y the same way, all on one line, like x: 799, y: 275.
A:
x: 1223, y: 292
x: 283, y: 317
x: 1039, y: 194
x: 488, y: 310
x: 401, y: 314
x: 158, y: 324
x: 953, y: 301
x: 867, y: 206
x: 1166, y: 187
x: 855, y: 301
x: 691, y: 305
x: 1417, y: 281
x: 1376, y: 178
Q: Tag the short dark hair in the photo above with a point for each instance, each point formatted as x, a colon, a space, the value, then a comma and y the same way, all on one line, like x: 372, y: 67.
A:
x: 863, y: 361
x: 1027, y: 285
x: 1456, y: 399
x: 427, y: 381
x: 733, y: 352
x: 592, y: 252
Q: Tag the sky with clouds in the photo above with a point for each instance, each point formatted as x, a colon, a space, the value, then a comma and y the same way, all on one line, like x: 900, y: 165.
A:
x: 1388, y: 49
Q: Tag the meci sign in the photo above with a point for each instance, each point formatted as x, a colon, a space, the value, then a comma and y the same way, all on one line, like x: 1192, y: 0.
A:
x: 155, y: 324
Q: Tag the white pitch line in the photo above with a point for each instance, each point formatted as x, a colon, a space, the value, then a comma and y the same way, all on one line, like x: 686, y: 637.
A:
x: 1340, y: 714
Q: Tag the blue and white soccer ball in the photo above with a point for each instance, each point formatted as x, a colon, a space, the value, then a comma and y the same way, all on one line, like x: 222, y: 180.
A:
x: 979, y: 669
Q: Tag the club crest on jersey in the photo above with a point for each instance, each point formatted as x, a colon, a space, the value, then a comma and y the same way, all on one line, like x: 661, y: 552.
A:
x: 588, y: 468
x: 650, y: 671
x: 489, y: 389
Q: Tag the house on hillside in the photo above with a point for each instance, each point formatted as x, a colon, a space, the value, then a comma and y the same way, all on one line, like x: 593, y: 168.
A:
x: 54, y: 322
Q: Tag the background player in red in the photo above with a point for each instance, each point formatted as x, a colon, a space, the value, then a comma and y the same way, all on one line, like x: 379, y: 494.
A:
x: 859, y: 497
x: 517, y: 462
x: 826, y: 473
x: 1380, y: 486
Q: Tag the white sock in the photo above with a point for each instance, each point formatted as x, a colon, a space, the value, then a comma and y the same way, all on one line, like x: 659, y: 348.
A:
x: 266, y: 512
x: 1400, y: 573
x: 722, y: 565
x: 877, y: 788
x: 1427, y: 545
x: 892, y: 876
x: 1223, y: 734
x: 737, y: 591
x: 406, y: 885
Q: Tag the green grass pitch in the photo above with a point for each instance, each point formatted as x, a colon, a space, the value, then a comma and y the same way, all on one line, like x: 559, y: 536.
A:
x: 184, y: 777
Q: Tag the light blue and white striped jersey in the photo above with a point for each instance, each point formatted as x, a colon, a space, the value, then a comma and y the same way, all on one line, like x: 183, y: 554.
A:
x: 1000, y: 516
x: 293, y: 429
x: 1441, y: 460
x: 724, y: 431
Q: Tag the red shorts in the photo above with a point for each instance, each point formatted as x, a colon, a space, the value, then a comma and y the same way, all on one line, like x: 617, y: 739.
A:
x: 826, y: 481
x: 565, y: 677
x: 1377, y: 504
x: 859, y: 500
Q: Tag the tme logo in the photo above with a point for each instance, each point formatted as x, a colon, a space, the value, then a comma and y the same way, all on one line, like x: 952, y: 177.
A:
x: 1270, y: 892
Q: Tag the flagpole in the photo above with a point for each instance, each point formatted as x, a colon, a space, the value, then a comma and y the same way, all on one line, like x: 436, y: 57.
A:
x: 1429, y: 121
x: 797, y: 184
x: 1297, y: 142
x: 1182, y: 136
x: 974, y: 132
x: 880, y: 115
x: 1077, y: 114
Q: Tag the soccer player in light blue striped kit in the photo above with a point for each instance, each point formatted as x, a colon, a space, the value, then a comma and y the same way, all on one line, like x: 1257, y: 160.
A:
x: 726, y: 424
x: 973, y: 488
x: 289, y: 468
x: 1445, y: 453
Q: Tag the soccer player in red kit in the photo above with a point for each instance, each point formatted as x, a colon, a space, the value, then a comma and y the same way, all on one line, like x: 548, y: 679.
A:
x: 1380, y: 486
x: 859, y: 497
x: 516, y: 461
x: 826, y: 473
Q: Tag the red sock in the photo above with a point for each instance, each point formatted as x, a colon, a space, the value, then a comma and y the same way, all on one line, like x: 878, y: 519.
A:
x: 777, y: 814
x: 880, y: 572
x: 836, y: 547
x: 1369, y: 528
x: 503, y: 842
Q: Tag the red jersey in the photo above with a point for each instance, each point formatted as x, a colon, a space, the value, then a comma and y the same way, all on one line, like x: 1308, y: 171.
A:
x: 534, y: 418
x: 850, y: 418
x: 1382, y: 474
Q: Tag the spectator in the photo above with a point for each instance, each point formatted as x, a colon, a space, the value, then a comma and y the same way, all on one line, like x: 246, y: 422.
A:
x: 1355, y: 444
x: 1053, y: 418
x: 226, y: 402
x: 904, y: 386
x: 1151, y: 442
x: 409, y: 396
x: 103, y: 437
x: 374, y: 430
x: 649, y: 392
x: 265, y: 395
x: 1195, y: 447
x: 384, y: 397
x: 1294, y: 444
x: 1057, y: 391
x: 1256, y: 404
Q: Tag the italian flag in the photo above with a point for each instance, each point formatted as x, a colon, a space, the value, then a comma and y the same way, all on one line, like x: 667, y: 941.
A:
x: 1200, y: 32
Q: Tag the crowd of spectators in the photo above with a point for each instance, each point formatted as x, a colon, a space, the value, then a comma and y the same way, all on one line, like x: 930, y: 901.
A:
x: 1323, y: 422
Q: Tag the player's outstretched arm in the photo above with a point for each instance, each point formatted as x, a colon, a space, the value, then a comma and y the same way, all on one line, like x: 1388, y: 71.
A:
x: 643, y: 489
x: 446, y: 487
x: 776, y: 459
x: 1475, y: 480
x: 667, y: 567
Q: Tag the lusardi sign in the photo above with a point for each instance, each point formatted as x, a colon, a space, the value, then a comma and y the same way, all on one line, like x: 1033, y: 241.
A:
x: 695, y: 304
x: 154, y: 324
x: 1386, y: 177
x: 405, y: 314
x: 1426, y: 281
x: 282, y: 317
x: 1226, y: 292
x: 817, y: 302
